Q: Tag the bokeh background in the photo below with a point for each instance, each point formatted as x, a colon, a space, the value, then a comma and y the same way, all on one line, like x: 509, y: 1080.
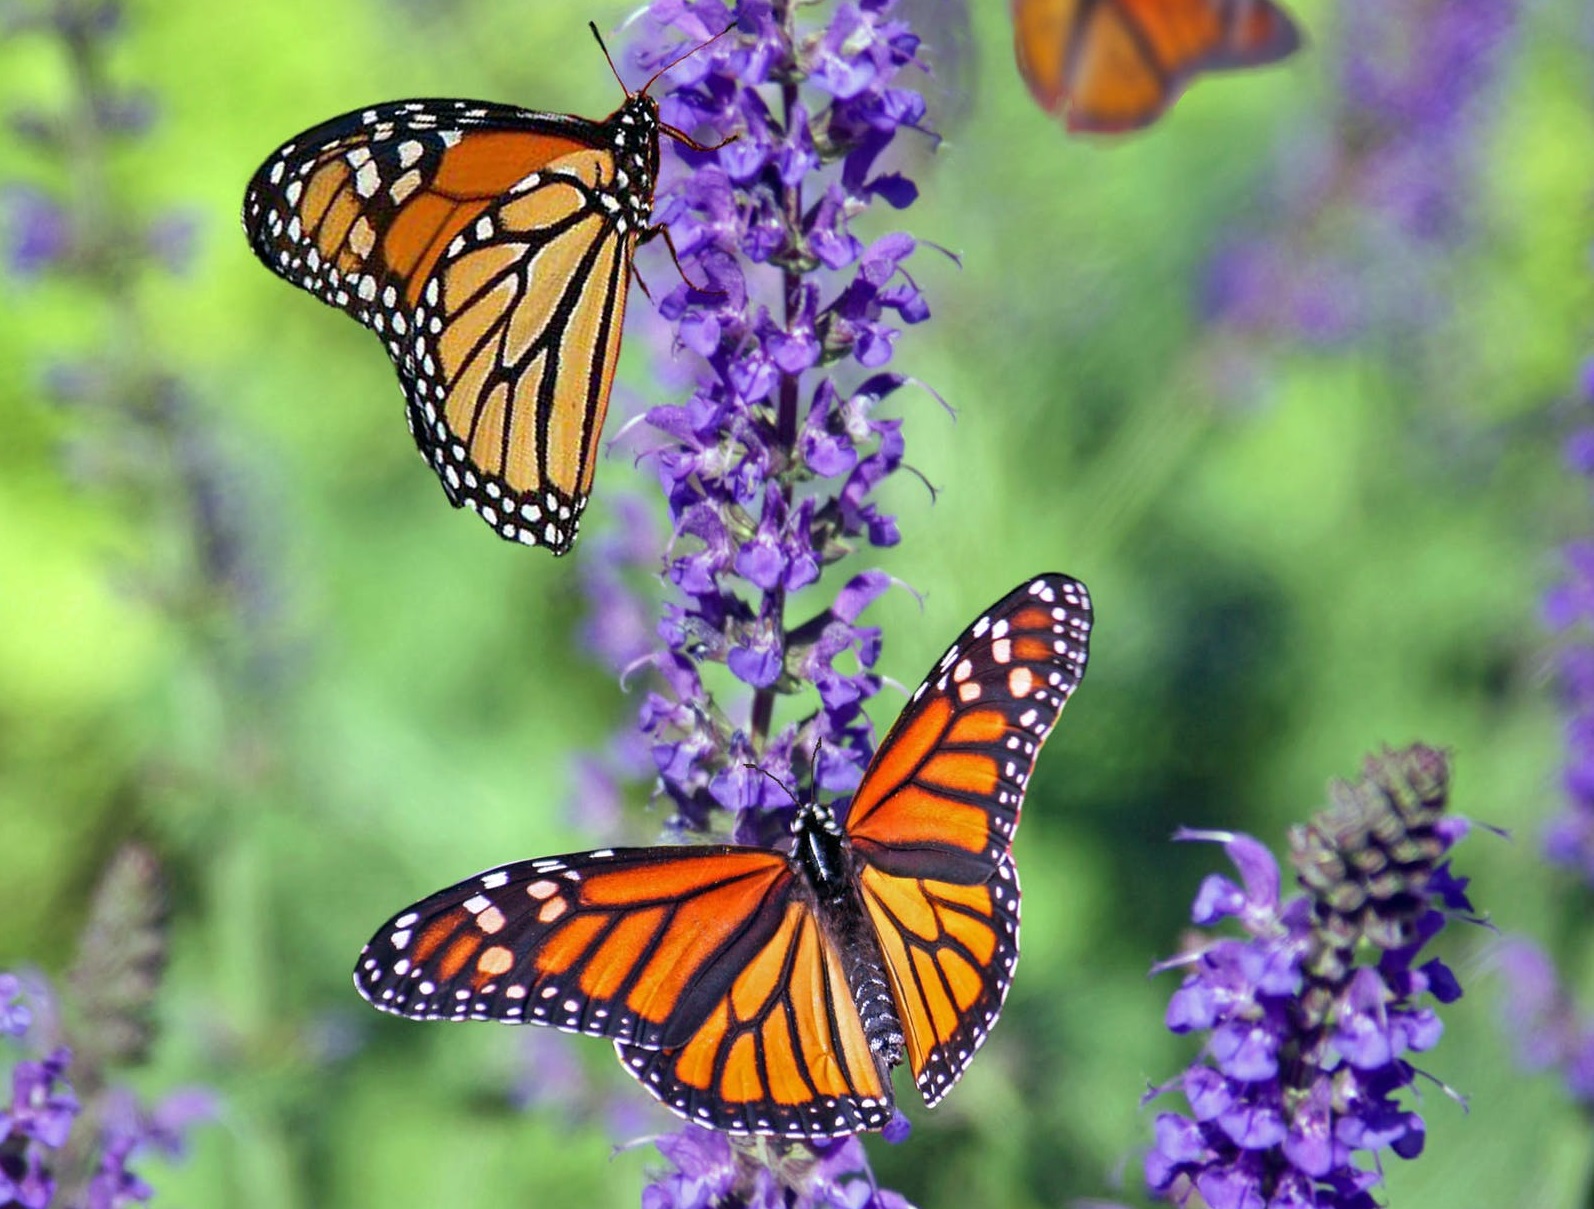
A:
x: 1285, y: 380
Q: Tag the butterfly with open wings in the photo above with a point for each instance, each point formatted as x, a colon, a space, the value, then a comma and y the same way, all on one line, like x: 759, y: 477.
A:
x: 1108, y: 66
x: 769, y: 991
x: 489, y: 248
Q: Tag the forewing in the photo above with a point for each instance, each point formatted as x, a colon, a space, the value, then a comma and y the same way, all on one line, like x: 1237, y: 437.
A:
x: 484, y: 246
x: 941, y: 797
x: 781, y: 1052
x: 1116, y: 65
x: 934, y: 818
x: 636, y: 944
x: 950, y: 950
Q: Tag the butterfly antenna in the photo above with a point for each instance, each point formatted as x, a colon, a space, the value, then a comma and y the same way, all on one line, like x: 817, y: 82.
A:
x: 684, y: 56
x: 593, y: 26
x: 786, y: 789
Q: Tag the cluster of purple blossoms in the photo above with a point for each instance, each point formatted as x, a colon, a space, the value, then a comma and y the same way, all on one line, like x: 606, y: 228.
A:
x: 769, y: 466
x: 141, y: 436
x: 787, y: 319
x: 1543, y: 1019
x: 45, y: 1157
x: 69, y: 1145
x: 38, y: 1121
x: 1541, y: 1014
x: 712, y: 1171
x: 1569, y: 610
x: 1368, y: 205
x: 40, y: 232
x: 1310, y: 1018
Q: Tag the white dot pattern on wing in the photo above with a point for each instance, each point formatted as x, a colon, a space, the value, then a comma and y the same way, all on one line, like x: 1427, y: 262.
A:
x: 823, y: 1118
x: 390, y: 151
x: 983, y: 670
x: 1027, y: 654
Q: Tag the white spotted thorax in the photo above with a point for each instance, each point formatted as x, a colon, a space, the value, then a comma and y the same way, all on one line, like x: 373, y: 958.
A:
x: 772, y: 990
x: 411, y: 217
x: 634, y: 129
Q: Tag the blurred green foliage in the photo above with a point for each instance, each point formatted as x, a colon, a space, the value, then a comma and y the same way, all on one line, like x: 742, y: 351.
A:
x: 1350, y: 557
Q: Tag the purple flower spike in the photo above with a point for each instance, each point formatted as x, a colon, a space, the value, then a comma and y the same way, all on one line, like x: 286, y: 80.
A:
x: 1284, y: 1134
x: 1541, y: 1016
x: 67, y: 1127
x: 1371, y: 200
x: 15, y: 1016
x: 705, y: 1171
x: 1568, y: 610
x: 38, y: 231
x: 770, y: 465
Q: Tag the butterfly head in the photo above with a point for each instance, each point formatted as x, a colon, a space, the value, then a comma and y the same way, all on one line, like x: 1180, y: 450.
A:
x: 644, y: 110
x: 815, y: 816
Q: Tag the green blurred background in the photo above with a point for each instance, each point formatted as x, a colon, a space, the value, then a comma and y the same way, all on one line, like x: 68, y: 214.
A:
x: 1347, y: 552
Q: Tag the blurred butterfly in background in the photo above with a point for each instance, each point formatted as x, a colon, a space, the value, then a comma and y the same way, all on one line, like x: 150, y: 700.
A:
x: 1108, y: 66
x: 766, y: 991
x: 489, y: 248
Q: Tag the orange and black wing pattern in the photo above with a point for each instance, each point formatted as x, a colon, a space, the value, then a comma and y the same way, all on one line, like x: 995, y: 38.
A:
x: 1107, y: 66
x: 638, y: 944
x: 489, y: 249
x: 932, y: 822
x: 783, y: 1052
x: 760, y: 991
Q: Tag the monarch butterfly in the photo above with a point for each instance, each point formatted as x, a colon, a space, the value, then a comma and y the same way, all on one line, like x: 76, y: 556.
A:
x: 489, y: 248
x: 1115, y: 65
x: 762, y: 991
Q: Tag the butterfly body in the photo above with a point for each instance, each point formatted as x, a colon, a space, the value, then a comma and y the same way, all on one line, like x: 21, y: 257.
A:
x: 830, y: 870
x: 489, y: 248
x: 772, y: 990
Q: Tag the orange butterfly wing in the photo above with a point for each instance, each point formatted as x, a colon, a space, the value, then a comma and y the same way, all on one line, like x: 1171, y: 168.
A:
x: 934, y: 818
x: 731, y: 989
x: 637, y: 944
x: 783, y: 1052
x: 489, y: 248
x: 1115, y: 65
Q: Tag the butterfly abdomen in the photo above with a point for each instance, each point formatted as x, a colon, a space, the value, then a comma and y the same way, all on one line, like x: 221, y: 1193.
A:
x: 876, y: 1008
x: 822, y: 856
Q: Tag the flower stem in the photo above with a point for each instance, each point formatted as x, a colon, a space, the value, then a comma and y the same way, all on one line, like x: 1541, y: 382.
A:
x: 763, y: 709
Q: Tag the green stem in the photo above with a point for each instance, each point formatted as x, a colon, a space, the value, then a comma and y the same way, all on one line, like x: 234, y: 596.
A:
x: 763, y: 710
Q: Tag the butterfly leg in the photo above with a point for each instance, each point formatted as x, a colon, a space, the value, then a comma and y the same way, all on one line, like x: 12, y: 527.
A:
x: 636, y: 275
x: 659, y: 229
x: 686, y: 140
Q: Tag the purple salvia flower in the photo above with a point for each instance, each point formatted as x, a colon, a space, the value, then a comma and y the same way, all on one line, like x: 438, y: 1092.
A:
x: 618, y: 628
x: 712, y: 1172
x: 15, y: 1015
x: 51, y: 1144
x: 36, y: 1120
x: 1371, y: 203
x: 1543, y: 1020
x: 1311, y: 1017
x: 704, y: 1176
x: 128, y: 1129
x: 1568, y: 609
x: 40, y: 1109
x: 770, y: 465
x: 38, y: 232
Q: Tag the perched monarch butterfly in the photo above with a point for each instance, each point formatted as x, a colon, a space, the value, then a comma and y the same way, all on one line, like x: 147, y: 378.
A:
x: 490, y: 249
x: 1115, y: 65
x: 762, y: 991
